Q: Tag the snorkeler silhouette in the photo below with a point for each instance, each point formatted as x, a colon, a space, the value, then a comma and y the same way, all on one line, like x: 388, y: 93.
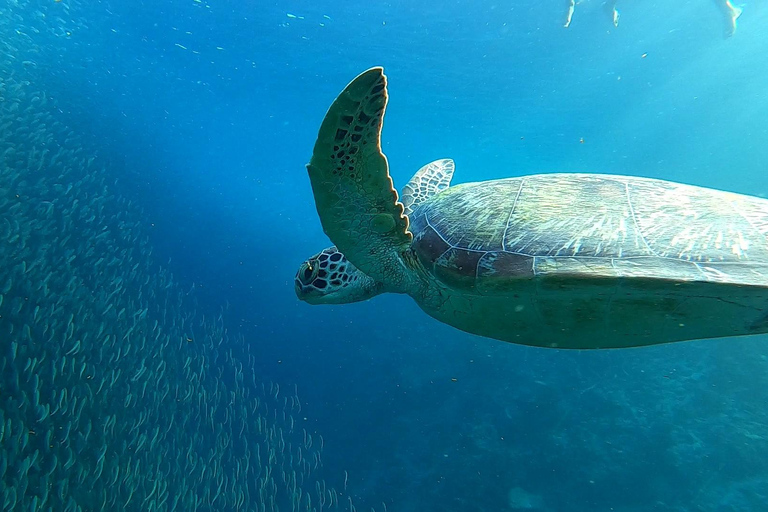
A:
x: 609, y: 5
x: 730, y: 12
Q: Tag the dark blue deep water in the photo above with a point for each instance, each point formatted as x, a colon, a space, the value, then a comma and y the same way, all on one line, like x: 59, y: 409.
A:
x: 202, y: 114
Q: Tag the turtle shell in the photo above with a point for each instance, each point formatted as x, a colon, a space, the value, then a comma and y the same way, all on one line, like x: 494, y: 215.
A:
x: 486, y: 237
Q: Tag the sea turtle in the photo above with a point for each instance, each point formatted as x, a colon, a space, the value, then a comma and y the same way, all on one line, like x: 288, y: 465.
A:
x: 550, y: 260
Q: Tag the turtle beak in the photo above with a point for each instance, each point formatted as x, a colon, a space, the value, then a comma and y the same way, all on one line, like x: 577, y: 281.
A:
x: 297, y: 288
x: 301, y: 290
x: 304, y: 293
x: 307, y: 294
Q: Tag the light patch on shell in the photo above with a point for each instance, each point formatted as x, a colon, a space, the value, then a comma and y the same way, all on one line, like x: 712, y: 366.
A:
x: 740, y: 246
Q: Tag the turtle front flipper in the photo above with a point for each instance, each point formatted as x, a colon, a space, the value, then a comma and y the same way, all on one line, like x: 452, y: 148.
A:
x: 429, y: 180
x: 354, y: 194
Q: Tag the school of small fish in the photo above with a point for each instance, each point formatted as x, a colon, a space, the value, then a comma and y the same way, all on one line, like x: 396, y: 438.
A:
x: 115, y: 393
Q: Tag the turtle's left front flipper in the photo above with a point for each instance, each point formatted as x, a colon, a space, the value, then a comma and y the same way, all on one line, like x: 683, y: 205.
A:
x: 354, y: 194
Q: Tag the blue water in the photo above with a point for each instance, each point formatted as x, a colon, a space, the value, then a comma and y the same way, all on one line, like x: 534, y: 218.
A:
x: 207, y: 112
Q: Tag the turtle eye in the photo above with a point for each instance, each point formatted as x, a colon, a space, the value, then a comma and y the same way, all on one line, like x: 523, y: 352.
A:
x: 307, y: 274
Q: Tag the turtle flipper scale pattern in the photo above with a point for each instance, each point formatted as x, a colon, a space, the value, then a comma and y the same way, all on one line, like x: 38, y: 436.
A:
x: 354, y: 193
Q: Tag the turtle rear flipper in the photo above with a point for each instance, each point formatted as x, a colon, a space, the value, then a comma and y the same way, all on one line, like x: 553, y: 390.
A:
x: 429, y: 180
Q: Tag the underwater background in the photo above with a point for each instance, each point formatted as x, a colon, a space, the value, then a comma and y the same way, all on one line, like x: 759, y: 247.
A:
x: 154, y: 208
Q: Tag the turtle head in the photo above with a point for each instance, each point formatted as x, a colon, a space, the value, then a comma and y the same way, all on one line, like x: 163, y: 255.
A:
x: 329, y: 278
